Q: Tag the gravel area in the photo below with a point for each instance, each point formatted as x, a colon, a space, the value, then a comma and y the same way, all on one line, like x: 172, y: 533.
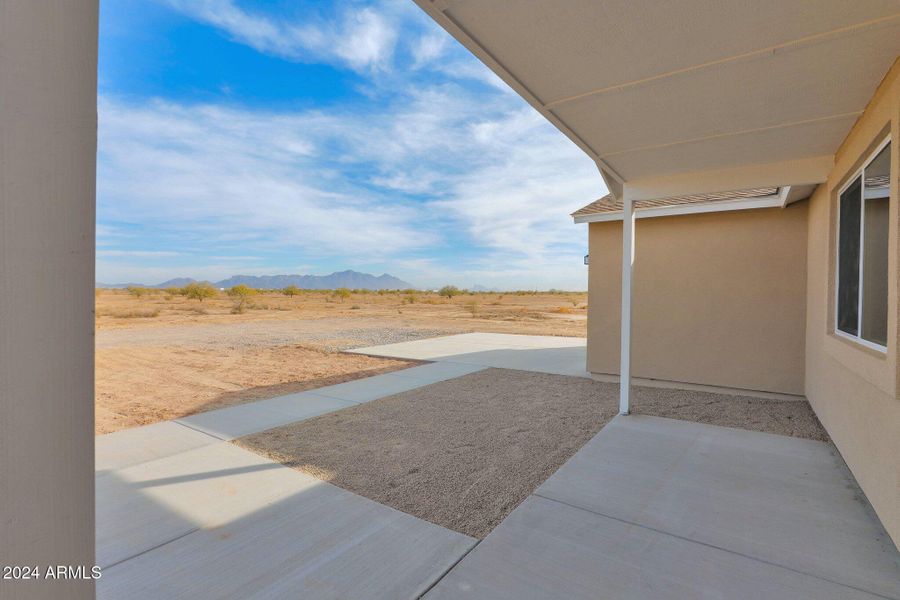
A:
x: 794, y: 418
x: 465, y: 452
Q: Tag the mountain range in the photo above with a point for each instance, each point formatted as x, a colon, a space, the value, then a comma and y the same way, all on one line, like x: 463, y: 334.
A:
x: 340, y: 279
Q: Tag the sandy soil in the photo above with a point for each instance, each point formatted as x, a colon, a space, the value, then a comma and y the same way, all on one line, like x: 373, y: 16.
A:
x: 464, y: 453
x: 143, y: 385
x: 161, y: 356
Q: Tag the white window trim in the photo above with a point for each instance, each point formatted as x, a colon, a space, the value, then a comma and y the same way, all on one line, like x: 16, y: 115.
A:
x: 858, y: 339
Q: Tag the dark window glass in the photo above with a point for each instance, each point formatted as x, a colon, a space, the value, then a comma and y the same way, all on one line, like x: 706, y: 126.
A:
x: 848, y: 259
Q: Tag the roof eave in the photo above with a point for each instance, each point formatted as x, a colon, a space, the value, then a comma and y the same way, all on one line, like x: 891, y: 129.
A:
x: 779, y: 200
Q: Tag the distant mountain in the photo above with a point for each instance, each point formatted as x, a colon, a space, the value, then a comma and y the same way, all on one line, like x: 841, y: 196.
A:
x: 177, y: 282
x: 346, y: 279
x: 481, y: 288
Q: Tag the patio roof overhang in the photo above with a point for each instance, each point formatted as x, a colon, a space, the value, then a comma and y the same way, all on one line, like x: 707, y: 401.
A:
x: 689, y: 97
x: 609, y: 208
x: 683, y: 98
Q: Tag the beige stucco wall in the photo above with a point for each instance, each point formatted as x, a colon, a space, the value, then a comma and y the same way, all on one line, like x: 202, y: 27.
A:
x: 48, y: 82
x: 718, y: 299
x: 853, y: 389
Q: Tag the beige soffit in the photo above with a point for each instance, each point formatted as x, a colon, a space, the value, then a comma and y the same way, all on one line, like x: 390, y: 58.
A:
x: 654, y: 91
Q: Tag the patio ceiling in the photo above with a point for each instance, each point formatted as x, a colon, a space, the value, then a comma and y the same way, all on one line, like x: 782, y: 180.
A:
x: 654, y: 92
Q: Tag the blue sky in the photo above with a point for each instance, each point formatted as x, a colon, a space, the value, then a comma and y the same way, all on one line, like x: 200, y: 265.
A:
x: 309, y: 137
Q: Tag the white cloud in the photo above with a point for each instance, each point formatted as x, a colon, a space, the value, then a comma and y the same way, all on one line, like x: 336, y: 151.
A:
x: 432, y: 169
x: 116, y: 272
x: 429, y: 47
x: 137, y: 253
x: 361, y: 38
x: 365, y: 40
x: 435, y: 176
x: 210, y: 174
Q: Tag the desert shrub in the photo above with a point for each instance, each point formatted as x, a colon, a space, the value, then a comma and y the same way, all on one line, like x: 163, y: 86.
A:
x: 355, y: 307
x: 199, y: 291
x: 137, y: 291
x: 173, y: 291
x: 291, y: 291
x: 409, y: 299
x: 241, y: 294
x: 449, y: 291
x: 472, y: 307
x: 342, y: 293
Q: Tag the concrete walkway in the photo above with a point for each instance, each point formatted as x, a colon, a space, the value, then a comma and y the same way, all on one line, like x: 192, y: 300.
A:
x: 658, y: 509
x: 181, y: 513
x: 539, y: 353
x: 220, y: 522
x: 649, y: 508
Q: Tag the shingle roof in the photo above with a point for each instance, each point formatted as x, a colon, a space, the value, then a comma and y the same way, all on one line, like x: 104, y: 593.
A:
x: 609, y: 204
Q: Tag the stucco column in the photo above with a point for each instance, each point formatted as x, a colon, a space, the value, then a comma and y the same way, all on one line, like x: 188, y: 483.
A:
x: 48, y: 140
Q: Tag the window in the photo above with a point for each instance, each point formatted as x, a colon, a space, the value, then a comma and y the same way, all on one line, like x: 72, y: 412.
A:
x: 862, y: 261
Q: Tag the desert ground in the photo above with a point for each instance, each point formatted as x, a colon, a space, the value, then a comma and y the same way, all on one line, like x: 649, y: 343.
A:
x: 161, y: 355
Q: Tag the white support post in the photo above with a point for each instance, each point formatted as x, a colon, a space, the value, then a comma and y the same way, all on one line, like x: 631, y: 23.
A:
x: 627, y: 268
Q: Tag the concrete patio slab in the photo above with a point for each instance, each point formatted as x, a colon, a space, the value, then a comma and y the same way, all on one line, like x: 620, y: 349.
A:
x: 140, y: 444
x: 543, y: 354
x: 655, y: 508
x: 546, y: 549
x: 236, y: 421
x: 146, y: 505
x: 778, y: 499
x: 261, y: 530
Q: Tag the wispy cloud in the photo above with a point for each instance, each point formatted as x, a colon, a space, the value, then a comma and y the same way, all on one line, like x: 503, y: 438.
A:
x: 222, y: 175
x: 136, y: 253
x: 438, y: 178
x: 432, y: 171
x: 358, y: 37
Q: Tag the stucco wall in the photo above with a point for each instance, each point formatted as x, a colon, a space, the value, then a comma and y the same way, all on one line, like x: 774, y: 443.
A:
x: 718, y: 299
x: 48, y: 82
x: 853, y: 389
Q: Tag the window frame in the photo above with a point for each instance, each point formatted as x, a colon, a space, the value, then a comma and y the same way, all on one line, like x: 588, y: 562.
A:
x: 858, y: 173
